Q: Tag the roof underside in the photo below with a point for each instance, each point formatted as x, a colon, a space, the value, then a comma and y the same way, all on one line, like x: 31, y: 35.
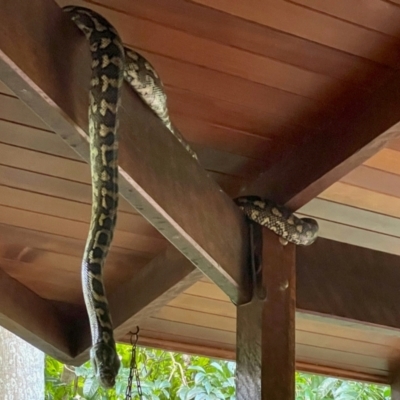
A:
x: 247, y: 81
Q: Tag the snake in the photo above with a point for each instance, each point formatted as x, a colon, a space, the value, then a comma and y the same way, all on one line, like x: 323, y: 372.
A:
x: 280, y: 220
x: 111, y: 64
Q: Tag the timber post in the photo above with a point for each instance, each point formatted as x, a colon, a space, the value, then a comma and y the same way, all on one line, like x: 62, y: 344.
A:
x: 266, y: 326
x: 395, y: 385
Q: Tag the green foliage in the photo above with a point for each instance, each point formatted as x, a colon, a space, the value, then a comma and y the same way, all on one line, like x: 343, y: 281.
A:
x: 165, y: 375
x: 316, y: 387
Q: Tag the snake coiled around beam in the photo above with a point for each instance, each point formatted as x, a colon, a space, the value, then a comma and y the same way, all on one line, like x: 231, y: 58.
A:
x: 111, y: 63
x: 300, y: 231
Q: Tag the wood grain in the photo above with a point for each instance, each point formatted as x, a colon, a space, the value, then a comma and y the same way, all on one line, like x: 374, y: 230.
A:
x: 13, y: 110
x: 169, y: 342
x: 70, y: 210
x: 139, y: 132
x: 253, y: 37
x: 256, y: 68
x: 374, y: 180
x: 20, y: 238
x: 395, y: 387
x: 247, y: 89
x: 76, y: 230
x: 305, y: 23
x: 381, y: 16
x: 33, y: 319
x: 359, y: 197
x: 386, y: 160
x: 266, y: 327
x: 50, y: 186
x: 319, y: 281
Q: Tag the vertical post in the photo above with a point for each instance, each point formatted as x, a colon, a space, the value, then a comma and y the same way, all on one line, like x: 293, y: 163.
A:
x: 266, y: 326
x: 395, y: 386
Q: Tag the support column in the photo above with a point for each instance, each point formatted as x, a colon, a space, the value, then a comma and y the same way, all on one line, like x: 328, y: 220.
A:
x: 21, y: 369
x: 395, y: 386
x: 266, y: 326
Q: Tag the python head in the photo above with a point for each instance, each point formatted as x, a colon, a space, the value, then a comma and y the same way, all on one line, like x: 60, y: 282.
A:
x: 106, y: 364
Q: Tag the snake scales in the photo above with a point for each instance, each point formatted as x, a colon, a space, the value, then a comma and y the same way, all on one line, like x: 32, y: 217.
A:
x: 111, y: 63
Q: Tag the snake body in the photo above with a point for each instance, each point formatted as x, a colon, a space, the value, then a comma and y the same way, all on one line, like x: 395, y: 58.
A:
x: 300, y: 231
x: 107, y: 76
x: 111, y: 63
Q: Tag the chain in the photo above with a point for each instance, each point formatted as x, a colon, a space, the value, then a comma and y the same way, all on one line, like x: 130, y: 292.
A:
x: 133, y: 371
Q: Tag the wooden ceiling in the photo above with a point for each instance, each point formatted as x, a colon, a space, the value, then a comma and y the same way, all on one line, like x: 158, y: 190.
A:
x: 251, y: 84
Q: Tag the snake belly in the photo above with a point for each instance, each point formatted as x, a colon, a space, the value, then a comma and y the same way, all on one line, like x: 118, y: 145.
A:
x: 106, y: 81
x: 300, y: 231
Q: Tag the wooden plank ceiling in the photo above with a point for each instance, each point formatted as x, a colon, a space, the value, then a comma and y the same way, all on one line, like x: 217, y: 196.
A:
x: 245, y: 80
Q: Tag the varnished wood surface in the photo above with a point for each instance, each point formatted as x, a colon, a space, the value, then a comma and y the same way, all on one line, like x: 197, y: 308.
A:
x: 149, y: 156
x: 265, y: 328
x: 54, y: 199
x: 289, y: 152
x: 343, y: 292
x: 249, y: 86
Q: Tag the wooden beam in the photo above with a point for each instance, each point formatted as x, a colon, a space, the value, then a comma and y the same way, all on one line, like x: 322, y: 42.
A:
x: 358, y: 132
x: 265, y: 330
x: 159, y: 282
x: 395, y: 386
x: 154, y: 286
x: 230, y: 354
x: 33, y: 319
x: 349, y: 283
x: 45, y: 60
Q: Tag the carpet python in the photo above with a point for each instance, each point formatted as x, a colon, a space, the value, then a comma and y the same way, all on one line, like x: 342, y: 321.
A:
x: 111, y: 64
x: 300, y: 231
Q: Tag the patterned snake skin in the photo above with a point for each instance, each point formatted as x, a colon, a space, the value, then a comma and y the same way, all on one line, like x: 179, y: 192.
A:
x: 107, y: 77
x: 300, y: 231
x: 111, y: 63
